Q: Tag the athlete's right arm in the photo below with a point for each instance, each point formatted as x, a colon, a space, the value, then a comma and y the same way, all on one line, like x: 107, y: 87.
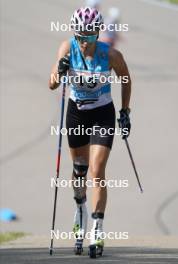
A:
x: 55, y: 76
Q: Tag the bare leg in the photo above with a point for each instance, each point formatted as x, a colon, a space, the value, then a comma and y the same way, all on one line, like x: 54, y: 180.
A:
x: 97, y: 164
x: 80, y: 155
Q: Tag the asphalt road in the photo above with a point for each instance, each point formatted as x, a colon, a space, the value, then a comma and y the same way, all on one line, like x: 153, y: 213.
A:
x: 28, y: 109
x: 115, y: 255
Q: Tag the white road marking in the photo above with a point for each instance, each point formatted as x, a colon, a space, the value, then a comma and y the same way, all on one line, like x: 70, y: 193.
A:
x: 163, y: 4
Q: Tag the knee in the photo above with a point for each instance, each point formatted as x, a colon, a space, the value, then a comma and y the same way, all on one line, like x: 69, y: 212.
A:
x: 80, y: 167
x: 97, y: 171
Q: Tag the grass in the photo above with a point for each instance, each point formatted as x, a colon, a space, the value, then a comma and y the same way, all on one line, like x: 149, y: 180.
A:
x: 170, y: 1
x: 173, y: 1
x: 8, y: 236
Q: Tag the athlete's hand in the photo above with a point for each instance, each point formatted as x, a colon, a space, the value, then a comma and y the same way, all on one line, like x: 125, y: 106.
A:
x: 64, y: 64
x: 124, y: 122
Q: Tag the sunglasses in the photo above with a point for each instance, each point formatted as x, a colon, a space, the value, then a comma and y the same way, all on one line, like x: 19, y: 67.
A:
x: 89, y: 38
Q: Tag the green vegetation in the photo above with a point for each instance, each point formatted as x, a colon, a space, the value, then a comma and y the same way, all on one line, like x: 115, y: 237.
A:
x: 173, y: 1
x: 170, y: 1
x: 8, y: 236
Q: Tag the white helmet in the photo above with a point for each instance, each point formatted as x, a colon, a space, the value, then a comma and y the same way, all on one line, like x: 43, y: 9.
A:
x: 84, y: 17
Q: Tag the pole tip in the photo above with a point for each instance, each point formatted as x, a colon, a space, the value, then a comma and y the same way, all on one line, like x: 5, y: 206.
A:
x: 141, y: 190
x: 51, y: 251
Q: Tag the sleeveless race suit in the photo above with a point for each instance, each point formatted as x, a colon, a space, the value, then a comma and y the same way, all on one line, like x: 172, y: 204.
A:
x: 90, y: 103
x: 89, y: 87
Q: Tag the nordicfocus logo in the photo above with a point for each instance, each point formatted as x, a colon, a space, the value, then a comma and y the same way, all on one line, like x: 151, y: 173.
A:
x: 95, y: 182
x: 90, y: 81
x: 103, y: 235
x: 112, y: 27
x: 80, y: 130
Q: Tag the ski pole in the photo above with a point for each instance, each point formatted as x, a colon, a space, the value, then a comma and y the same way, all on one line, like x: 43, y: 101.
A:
x: 133, y: 164
x: 58, y: 164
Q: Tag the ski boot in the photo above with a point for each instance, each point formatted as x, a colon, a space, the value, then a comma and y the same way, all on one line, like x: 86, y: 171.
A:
x: 97, y: 241
x: 80, y: 227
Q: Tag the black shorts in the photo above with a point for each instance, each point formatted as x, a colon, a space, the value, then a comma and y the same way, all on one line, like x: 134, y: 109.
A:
x: 95, y: 126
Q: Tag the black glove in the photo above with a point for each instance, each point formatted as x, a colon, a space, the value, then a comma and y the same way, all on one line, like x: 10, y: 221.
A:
x: 124, y: 122
x: 64, y: 64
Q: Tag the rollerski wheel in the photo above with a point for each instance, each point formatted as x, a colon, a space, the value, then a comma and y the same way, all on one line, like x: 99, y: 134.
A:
x: 92, y: 251
x: 78, y: 247
x: 95, y: 250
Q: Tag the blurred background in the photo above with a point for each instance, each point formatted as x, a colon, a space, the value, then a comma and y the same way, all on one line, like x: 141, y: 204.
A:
x: 28, y: 49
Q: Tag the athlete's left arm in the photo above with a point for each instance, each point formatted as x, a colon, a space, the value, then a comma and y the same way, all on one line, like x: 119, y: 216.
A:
x: 118, y: 64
